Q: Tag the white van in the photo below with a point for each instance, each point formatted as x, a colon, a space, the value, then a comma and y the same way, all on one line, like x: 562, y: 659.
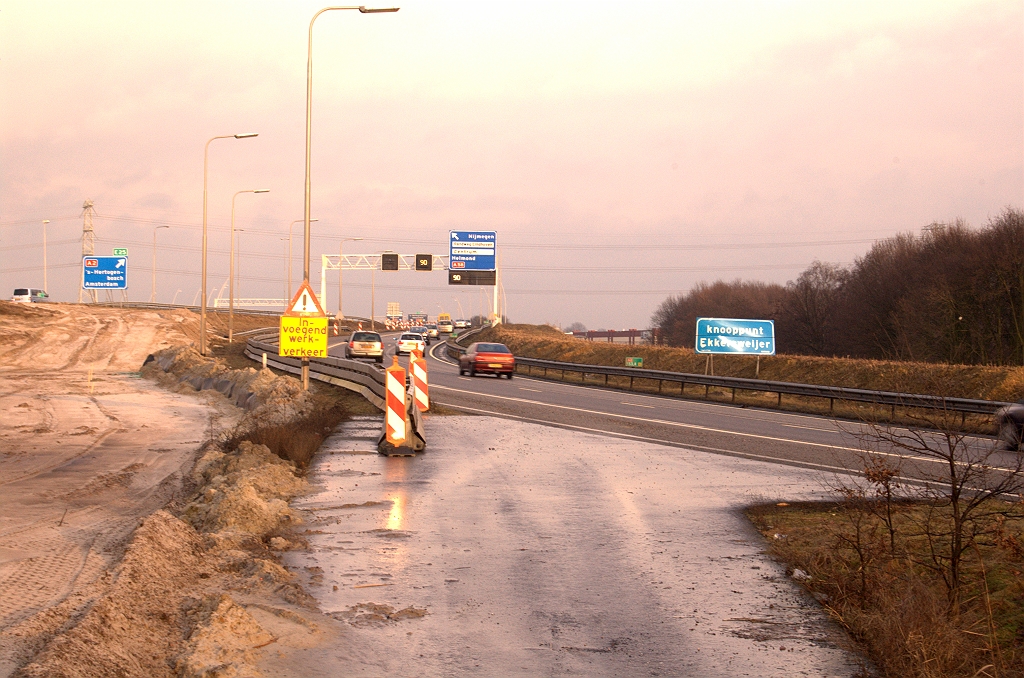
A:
x: 29, y: 294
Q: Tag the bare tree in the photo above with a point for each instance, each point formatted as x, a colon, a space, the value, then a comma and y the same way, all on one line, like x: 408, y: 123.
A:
x: 959, y: 477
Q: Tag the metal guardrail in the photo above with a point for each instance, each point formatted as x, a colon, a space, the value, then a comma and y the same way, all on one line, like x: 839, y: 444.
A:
x: 451, y: 345
x: 832, y: 393
x: 351, y: 374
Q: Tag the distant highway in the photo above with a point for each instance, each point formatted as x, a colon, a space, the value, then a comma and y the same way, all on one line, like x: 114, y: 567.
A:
x: 822, y: 443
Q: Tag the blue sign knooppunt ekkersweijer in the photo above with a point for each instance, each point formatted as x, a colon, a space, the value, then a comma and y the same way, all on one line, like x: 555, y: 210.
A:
x: 734, y: 335
x: 104, y: 273
x: 471, y: 250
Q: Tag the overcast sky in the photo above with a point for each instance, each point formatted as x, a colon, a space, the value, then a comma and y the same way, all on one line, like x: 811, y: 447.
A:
x: 622, y: 151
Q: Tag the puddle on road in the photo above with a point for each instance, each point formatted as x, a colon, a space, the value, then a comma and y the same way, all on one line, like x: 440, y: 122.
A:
x: 358, y: 528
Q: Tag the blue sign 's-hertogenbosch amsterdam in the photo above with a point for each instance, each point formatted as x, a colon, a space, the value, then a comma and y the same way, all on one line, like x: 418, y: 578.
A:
x: 104, y: 273
x: 471, y: 250
x: 733, y: 335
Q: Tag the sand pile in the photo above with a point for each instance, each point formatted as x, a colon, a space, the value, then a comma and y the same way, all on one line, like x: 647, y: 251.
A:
x: 132, y: 629
x: 165, y: 614
x: 278, y: 399
x: 164, y: 611
x: 245, y: 494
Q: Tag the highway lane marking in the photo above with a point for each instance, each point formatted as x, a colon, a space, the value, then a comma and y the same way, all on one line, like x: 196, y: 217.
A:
x: 650, y: 407
x: 695, y: 405
x: 535, y: 390
x: 810, y: 428
x: 703, y: 448
x: 672, y: 443
x: 687, y: 405
x: 708, y: 429
x: 679, y: 424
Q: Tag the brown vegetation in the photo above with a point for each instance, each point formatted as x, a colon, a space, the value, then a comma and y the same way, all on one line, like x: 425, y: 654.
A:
x: 952, y: 295
x: 927, y: 572
x: 879, y: 589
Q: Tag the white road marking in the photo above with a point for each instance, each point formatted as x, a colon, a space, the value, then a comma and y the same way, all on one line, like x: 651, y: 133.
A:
x: 811, y: 428
x: 650, y: 407
x: 535, y: 390
x: 709, y: 429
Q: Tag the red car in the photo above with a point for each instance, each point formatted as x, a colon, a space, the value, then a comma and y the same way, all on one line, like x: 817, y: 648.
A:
x: 485, y: 358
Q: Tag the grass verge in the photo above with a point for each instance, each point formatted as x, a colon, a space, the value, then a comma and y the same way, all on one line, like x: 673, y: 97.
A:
x: 879, y: 583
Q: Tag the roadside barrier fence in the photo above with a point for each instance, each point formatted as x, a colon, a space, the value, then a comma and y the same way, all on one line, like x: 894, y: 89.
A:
x: 546, y: 368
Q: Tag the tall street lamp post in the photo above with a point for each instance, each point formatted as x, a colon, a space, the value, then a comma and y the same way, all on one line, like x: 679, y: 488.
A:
x: 45, y: 286
x: 309, y: 110
x: 231, y: 264
x: 289, y: 293
x: 341, y: 257
x: 202, y: 290
x: 152, y: 295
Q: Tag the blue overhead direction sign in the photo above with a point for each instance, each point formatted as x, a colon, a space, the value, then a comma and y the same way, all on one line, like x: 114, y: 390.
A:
x: 104, y: 273
x: 736, y: 336
x: 472, y: 250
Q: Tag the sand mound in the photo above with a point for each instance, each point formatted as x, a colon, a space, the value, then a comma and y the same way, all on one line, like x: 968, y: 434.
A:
x: 223, y: 641
x: 274, y: 399
x: 133, y: 628
x: 246, y: 493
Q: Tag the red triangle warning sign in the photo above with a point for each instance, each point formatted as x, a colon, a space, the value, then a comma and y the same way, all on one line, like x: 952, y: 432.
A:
x: 305, y: 303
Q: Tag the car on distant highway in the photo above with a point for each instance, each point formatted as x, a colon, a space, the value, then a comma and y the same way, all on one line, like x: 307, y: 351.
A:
x: 432, y: 330
x: 29, y: 294
x: 487, y: 358
x: 423, y: 332
x: 445, y: 326
x: 407, y: 342
x: 461, y: 324
x: 1010, y: 421
x: 365, y: 345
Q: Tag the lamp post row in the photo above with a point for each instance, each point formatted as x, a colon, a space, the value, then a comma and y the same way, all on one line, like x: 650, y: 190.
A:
x: 306, y: 196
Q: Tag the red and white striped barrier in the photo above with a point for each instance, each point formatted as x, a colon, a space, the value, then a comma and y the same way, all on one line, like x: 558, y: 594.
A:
x: 420, y: 389
x: 394, y: 416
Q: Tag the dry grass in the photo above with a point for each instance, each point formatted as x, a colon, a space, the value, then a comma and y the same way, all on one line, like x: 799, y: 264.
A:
x: 298, y: 440
x: 896, y: 607
x: 964, y: 381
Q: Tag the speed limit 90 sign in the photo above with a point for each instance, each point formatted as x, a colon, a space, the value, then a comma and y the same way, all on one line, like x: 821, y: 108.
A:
x: 424, y: 262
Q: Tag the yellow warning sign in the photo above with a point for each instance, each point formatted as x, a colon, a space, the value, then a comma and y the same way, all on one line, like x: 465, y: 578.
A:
x: 303, y: 337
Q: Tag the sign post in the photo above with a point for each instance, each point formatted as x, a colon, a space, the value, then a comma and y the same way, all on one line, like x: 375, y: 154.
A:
x: 303, y: 331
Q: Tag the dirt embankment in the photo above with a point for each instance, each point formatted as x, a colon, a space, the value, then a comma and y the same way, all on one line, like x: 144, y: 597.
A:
x: 961, y: 381
x: 199, y: 590
x: 139, y: 517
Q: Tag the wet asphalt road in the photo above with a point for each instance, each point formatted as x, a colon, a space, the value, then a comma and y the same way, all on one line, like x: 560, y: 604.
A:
x: 817, y: 442
x: 535, y: 551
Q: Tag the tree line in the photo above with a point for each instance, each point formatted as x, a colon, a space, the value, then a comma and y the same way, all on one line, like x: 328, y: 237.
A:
x: 951, y: 294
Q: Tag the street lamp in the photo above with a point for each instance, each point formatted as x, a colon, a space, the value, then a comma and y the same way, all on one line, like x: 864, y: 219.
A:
x: 231, y: 263
x: 202, y: 289
x: 341, y: 257
x: 297, y: 221
x: 309, y: 111
x: 45, y: 286
x: 152, y: 295
x: 175, y: 299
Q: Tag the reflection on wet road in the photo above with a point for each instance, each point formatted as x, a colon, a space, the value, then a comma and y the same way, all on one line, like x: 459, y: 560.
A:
x: 516, y: 549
